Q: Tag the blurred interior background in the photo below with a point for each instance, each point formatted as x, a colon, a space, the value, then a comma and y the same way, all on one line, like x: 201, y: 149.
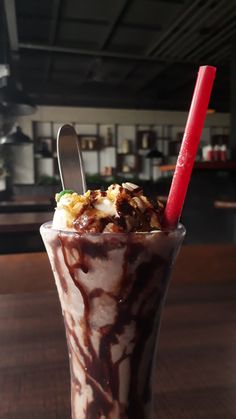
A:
x: 123, y: 74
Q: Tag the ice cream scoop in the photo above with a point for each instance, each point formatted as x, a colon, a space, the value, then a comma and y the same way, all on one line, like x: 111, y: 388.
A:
x: 121, y: 208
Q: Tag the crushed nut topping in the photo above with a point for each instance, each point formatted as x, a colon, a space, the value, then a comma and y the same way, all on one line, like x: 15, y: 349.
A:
x: 121, y: 208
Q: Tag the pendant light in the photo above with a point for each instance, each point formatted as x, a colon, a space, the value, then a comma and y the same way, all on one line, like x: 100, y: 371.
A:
x: 16, y: 138
x: 154, y: 154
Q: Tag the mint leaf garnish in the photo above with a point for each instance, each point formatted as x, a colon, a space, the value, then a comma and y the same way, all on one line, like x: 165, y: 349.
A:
x: 63, y: 193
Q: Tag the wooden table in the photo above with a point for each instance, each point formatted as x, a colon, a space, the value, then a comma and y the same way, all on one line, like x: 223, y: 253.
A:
x: 197, y: 357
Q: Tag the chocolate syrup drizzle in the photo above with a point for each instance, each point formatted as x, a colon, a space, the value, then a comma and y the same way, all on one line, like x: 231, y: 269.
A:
x: 138, y: 298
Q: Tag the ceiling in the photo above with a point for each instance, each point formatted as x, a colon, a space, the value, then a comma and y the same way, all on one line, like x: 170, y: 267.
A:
x: 123, y: 53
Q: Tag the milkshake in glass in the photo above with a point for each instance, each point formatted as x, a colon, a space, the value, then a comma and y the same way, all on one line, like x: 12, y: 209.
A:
x: 112, y: 264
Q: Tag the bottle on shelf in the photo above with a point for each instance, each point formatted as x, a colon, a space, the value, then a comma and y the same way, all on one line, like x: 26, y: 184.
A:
x: 90, y: 144
x: 145, y: 141
x: 223, y: 153
x: 126, y: 168
x: 107, y: 171
x: 207, y: 153
x: 126, y: 146
x: 216, y: 153
x: 84, y: 143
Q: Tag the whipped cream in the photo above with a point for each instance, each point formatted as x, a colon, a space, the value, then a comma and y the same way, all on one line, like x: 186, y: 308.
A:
x: 121, y: 208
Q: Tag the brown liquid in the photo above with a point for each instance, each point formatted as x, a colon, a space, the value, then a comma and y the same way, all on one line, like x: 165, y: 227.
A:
x: 138, y: 297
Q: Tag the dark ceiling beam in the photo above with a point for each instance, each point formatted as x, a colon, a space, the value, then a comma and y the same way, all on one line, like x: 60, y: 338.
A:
x: 132, y: 71
x: 195, y: 21
x: 165, y: 36
x: 224, y: 53
x: 174, y: 85
x: 71, y: 19
x: 184, y: 29
x: 10, y: 12
x: 150, y: 79
x: 190, y: 33
x: 3, y: 44
x: 171, y: 1
x: 87, y: 52
x: 186, y: 81
x: 119, y: 13
x: 94, y: 21
x: 11, y: 27
x: 226, y: 33
x: 56, y: 7
x: 191, y: 43
x: 173, y: 28
x: 117, y: 21
x: 141, y: 26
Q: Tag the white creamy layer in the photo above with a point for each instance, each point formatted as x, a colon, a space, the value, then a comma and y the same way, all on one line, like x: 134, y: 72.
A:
x: 97, y: 205
x: 65, y: 212
x: 121, y: 208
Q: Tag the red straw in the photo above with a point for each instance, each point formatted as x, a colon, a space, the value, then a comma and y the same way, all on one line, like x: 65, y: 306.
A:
x: 189, y: 146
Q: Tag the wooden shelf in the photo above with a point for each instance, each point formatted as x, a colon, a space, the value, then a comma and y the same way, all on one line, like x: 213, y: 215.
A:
x: 37, y: 157
x: 109, y: 149
x: 126, y: 154
x: 123, y: 174
x: 167, y: 167
x: 164, y: 138
x: 90, y: 149
x: 175, y: 141
x: 230, y: 165
x: 225, y: 204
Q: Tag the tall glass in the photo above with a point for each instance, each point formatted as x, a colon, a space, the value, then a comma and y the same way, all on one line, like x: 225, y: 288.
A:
x: 112, y: 288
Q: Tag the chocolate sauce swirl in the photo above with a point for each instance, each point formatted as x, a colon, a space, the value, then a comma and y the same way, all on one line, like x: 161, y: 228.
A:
x: 112, y: 288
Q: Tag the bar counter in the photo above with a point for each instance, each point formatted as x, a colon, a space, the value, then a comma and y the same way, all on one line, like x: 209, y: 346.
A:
x: 19, y: 231
x: 204, y: 165
x: 26, y: 204
x: 23, y: 221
